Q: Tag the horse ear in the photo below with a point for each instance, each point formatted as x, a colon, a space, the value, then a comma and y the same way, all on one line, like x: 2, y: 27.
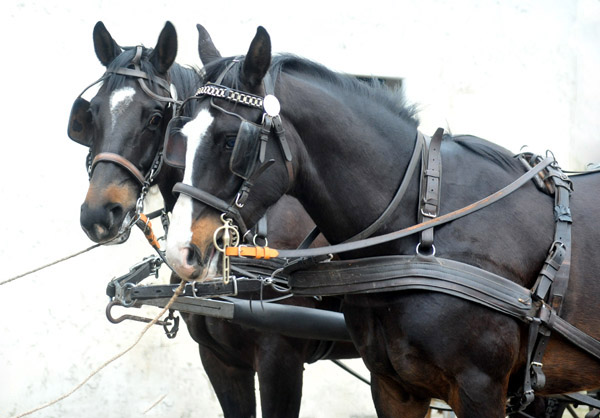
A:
x: 163, y: 55
x: 106, y: 48
x: 206, y: 47
x: 258, y: 59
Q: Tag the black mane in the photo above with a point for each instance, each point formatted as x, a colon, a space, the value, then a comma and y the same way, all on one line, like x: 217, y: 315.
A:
x: 490, y: 151
x: 391, y: 98
x: 374, y: 90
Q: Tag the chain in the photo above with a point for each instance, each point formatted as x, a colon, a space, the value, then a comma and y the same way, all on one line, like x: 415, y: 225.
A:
x: 229, y: 236
x: 231, y: 95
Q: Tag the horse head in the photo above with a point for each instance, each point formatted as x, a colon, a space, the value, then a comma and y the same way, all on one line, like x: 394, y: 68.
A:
x: 236, y: 162
x: 123, y: 126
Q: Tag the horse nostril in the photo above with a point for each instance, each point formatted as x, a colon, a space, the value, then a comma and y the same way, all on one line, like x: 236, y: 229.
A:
x: 115, y: 211
x: 190, y: 258
x: 99, y: 231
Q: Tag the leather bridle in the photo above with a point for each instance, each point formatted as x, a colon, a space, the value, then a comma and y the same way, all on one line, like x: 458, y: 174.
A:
x: 145, y: 180
x: 271, y: 122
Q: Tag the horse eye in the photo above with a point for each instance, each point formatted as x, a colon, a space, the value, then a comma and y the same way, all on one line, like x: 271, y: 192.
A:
x: 154, y: 121
x: 230, y: 142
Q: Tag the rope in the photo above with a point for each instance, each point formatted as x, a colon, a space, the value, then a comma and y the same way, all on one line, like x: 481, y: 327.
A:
x: 162, y: 398
x: 352, y: 372
x: 49, y: 264
x: 178, y: 292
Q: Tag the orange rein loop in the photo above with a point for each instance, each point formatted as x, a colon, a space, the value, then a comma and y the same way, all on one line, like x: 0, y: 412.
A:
x: 146, y: 226
x: 252, y: 252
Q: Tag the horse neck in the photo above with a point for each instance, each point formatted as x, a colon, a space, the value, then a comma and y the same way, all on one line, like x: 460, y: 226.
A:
x: 351, y: 158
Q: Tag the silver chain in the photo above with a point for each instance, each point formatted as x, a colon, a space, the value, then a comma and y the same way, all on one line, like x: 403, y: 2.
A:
x: 231, y: 95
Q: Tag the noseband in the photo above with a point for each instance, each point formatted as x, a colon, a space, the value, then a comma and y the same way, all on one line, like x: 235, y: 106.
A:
x: 248, y: 169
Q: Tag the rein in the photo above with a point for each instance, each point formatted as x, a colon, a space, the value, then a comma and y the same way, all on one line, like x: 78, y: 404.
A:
x: 392, y: 236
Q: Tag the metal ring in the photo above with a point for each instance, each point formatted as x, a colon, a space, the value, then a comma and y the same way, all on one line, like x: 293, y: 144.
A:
x: 258, y: 236
x: 431, y: 254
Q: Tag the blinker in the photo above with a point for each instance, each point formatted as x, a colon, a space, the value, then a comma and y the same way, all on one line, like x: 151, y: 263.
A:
x: 175, y: 142
x: 80, y: 122
x: 244, y: 156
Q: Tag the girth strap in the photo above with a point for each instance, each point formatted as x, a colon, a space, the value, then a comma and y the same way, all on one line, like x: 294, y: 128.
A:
x: 551, y: 285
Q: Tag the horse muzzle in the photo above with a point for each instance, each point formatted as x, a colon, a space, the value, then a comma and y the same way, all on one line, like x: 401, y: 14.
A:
x: 193, y: 265
x: 109, y: 224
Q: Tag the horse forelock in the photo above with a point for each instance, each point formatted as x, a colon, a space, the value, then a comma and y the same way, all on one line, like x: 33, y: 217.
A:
x: 215, y: 68
x: 123, y: 60
x: 185, y: 78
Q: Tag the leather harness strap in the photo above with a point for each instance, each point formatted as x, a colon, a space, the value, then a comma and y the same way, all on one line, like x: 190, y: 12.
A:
x: 550, y: 286
x: 431, y: 180
x: 404, y: 272
x: 121, y: 161
x: 212, y: 201
x: 440, y: 220
x: 408, y: 175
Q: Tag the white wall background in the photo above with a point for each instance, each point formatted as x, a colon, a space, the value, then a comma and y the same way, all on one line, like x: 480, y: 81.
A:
x: 517, y: 72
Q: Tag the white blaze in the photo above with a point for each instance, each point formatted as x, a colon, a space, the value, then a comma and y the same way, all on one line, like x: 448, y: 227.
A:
x: 119, y: 101
x: 180, y: 228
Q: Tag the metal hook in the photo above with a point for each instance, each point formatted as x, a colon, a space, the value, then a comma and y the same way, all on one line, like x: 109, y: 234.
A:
x: 172, y: 333
x: 122, y: 318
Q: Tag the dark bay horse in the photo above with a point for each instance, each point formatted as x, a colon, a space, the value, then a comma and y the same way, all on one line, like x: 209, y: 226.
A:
x: 342, y: 151
x: 125, y: 125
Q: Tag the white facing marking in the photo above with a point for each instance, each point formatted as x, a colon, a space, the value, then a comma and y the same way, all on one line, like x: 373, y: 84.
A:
x: 119, y: 100
x: 194, y: 130
x: 180, y: 228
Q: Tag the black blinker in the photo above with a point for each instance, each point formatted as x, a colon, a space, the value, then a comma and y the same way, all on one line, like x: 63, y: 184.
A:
x: 80, y: 122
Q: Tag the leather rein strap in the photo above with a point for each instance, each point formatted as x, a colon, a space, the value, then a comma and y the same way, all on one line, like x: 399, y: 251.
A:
x: 420, y: 144
x: 440, y: 220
